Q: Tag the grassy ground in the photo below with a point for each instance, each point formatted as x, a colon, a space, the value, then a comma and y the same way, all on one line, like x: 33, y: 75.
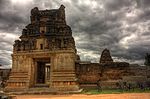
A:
x: 115, y: 91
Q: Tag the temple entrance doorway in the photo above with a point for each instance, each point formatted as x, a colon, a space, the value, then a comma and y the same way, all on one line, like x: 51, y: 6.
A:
x: 42, y: 74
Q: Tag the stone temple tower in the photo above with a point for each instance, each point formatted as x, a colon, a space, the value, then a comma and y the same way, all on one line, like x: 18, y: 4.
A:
x: 45, y: 55
x: 106, y: 57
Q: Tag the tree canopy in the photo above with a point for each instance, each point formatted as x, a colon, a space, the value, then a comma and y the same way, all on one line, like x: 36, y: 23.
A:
x: 147, y: 59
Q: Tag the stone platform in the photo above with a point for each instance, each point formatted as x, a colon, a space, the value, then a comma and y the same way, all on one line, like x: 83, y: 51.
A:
x: 40, y: 91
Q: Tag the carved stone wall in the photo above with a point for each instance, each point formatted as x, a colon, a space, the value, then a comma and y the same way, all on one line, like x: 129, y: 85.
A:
x: 88, y: 72
x: 92, y: 72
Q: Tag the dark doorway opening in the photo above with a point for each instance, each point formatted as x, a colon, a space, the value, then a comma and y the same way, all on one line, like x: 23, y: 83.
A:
x: 40, y: 72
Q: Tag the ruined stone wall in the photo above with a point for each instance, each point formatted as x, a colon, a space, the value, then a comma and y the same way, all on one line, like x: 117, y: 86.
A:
x: 88, y: 73
x: 137, y: 74
x: 138, y: 70
x: 92, y: 72
x: 114, y: 70
x: 4, y: 74
x: 111, y: 73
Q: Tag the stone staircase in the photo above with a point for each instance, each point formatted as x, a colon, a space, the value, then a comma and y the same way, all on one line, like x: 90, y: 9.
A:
x: 42, y: 90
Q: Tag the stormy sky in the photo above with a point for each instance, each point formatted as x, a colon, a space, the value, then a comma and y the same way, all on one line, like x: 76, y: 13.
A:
x: 122, y: 26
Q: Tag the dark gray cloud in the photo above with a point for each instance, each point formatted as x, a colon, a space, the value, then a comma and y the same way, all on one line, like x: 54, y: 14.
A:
x: 123, y: 26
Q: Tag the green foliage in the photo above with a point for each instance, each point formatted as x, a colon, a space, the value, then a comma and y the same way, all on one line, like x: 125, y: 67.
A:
x: 115, y: 91
x: 147, y: 59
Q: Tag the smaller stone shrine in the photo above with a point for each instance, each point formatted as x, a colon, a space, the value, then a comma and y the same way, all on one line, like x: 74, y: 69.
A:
x: 106, y: 57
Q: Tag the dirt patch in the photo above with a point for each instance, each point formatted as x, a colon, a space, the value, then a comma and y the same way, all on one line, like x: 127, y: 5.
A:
x: 81, y: 96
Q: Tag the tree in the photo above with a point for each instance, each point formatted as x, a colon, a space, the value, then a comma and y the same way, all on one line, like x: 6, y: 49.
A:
x: 147, y: 59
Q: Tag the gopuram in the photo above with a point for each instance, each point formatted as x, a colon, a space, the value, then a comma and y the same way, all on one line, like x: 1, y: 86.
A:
x: 45, y: 59
x: 45, y: 55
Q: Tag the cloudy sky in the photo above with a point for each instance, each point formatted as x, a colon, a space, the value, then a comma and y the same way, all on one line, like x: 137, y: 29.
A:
x: 123, y: 26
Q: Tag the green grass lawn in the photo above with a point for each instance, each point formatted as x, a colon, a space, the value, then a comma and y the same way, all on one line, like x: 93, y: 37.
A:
x: 114, y: 91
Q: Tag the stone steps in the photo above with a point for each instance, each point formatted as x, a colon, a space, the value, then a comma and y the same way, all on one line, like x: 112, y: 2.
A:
x: 42, y: 91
